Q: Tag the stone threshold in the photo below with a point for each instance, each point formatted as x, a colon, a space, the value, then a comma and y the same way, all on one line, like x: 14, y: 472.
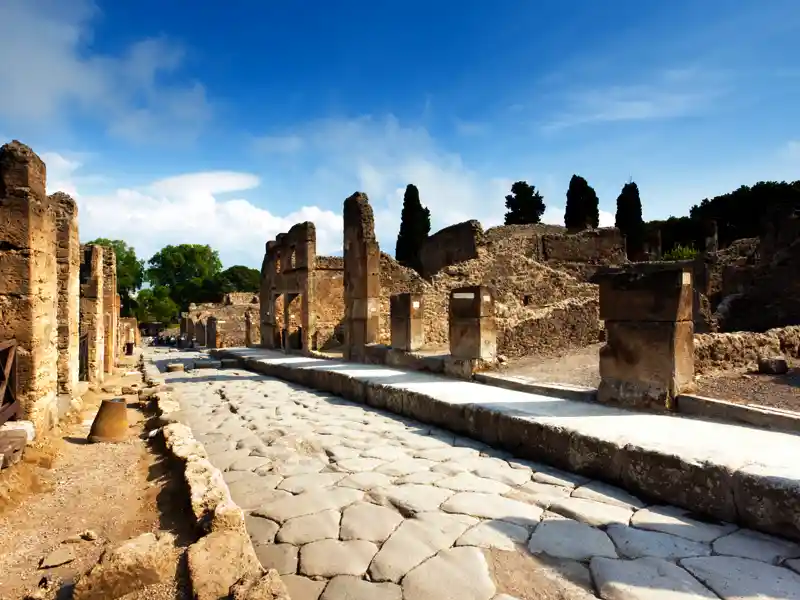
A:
x: 721, y: 471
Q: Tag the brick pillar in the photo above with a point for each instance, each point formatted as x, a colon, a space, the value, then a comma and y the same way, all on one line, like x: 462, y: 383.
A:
x: 92, y: 312
x: 110, y: 306
x: 473, y: 333
x: 211, y: 333
x: 69, y: 264
x: 648, y: 358
x: 405, y: 316
x: 29, y: 280
x: 362, y: 278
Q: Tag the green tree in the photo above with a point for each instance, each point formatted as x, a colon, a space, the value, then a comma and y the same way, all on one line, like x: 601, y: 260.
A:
x: 239, y: 278
x: 184, y: 270
x: 583, y: 207
x: 629, y: 218
x: 524, y: 205
x: 415, y: 225
x: 130, y: 273
x: 155, y: 304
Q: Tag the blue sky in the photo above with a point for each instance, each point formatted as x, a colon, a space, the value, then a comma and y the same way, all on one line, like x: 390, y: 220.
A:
x: 225, y: 123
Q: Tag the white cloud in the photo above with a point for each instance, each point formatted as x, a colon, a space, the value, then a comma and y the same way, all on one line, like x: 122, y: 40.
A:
x: 47, y: 73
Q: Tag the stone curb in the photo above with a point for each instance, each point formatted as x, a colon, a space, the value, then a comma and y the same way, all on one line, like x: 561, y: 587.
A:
x: 751, y: 495
x: 215, y: 514
x: 551, y: 390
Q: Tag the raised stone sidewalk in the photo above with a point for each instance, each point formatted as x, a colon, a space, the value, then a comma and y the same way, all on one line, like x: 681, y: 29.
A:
x: 351, y: 502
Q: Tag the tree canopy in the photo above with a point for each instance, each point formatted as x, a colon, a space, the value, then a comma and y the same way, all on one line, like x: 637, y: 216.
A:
x: 524, y: 205
x: 187, y: 271
x: 415, y: 226
x: 155, y: 304
x: 583, y: 207
x: 130, y: 272
x: 629, y: 218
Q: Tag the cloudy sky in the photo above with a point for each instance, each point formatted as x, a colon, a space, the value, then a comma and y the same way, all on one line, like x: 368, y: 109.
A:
x: 226, y: 123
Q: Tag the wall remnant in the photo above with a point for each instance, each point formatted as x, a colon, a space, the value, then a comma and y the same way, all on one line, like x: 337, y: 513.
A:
x: 111, y: 307
x: 473, y: 334
x: 407, y: 322
x: 211, y: 333
x: 92, y: 320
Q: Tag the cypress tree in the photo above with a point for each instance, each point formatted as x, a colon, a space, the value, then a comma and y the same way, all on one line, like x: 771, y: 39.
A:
x: 583, y: 207
x: 525, y: 205
x: 415, y: 226
x: 629, y: 218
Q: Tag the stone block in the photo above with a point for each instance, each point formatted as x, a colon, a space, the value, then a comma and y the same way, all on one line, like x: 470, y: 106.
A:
x: 653, y: 293
x: 363, y: 308
x: 646, y: 364
x: 471, y: 302
x: 473, y: 338
x: 406, y: 322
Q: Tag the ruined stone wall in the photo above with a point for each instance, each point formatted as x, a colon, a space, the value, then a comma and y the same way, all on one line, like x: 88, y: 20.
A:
x: 92, y: 311
x: 29, y: 279
x: 69, y: 264
x: 451, y: 245
x: 328, y: 281
x: 231, y: 320
x: 128, y: 331
x: 111, y: 308
x: 240, y: 298
x: 741, y: 350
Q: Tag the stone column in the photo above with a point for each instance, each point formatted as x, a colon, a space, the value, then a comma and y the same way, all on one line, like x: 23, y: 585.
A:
x: 405, y: 316
x: 29, y: 280
x: 248, y: 327
x: 92, y: 311
x: 362, y: 278
x: 473, y: 332
x: 211, y: 333
x: 69, y: 264
x: 648, y: 358
x: 190, y: 330
x: 110, y: 306
x: 200, y: 333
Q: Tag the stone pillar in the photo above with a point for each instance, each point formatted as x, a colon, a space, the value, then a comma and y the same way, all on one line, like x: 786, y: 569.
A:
x: 211, y: 333
x: 648, y: 357
x: 200, y: 333
x: 190, y: 330
x: 29, y: 280
x: 268, y: 295
x: 110, y: 306
x: 92, y: 313
x: 184, y: 328
x: 405, y: 316
x: 69, y: 287
x: 248, y: 330
x: 473, y: 333
x: 362, y: 278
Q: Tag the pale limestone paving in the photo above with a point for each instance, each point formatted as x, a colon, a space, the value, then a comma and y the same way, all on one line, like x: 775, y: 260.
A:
x: 346, y: 502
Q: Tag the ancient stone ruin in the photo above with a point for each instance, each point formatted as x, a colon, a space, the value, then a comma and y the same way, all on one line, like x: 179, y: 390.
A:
x: 54, y: 302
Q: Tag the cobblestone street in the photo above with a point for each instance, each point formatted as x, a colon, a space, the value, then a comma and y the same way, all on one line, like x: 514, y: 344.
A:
x: 348, y: 502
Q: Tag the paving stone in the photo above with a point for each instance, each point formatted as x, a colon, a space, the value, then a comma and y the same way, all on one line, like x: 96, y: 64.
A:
x: 644, y: 579
x: 388, y: 453
x: 281, y: 557
x: 366, y: 480
x: 639, y: 543
x: 564, y: 538
x: 337, y: 452
x: 298, y: 484
x: 366, y: 521
x: 495, y: 534
x: 356, y: 465
x: 447, y: 453
x: 734, y: 578
x: 346, y: 587
x: 449, y: 468
x: 467, y: 482
x: 503, y: 474
x: 328, y: 558
x: 676, y: 521
x: 416, y: 540
x: 492, y: 506
x: 300, y: 467
x: 422, y: 478
x: 602, y: 492
x: 794, y: 565
x: 309, y: 503
x: 261, y: 530
x: 223, y: 460
x: 233, y: 476
x: 590, y: 512
x: 303, y: 588
x: 406, y: 466
x: 758, y: 546
x: 256, y: 491
x: 310, y: 528
x: 412, y: 498
x: 552, y: 476
x: 453, y: 574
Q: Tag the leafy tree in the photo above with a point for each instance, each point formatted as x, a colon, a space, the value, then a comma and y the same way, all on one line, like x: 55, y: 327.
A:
x: 583, y: 207
x: 629, y: 218
x: 184, y: 270
x: 680, y: 252
x: 130, y: 273
x: 524, y: 205
x: 155, y: 304
x: 239, y: 278
x: 415, y: 225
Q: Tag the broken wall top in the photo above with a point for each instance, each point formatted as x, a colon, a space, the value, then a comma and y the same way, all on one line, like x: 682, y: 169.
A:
x: 358, y: 217
x: 21, y: 171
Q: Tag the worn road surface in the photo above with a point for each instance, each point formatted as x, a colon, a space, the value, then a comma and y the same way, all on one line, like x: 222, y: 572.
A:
x: 351, y: 503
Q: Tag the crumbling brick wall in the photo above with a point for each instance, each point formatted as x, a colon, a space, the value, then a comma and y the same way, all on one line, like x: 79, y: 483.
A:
x: 451, y: 245
x: 69, y: 264
x: 29, y: 279
x: 92, y: 311
x: 741, y: 350
x: 329, y: 302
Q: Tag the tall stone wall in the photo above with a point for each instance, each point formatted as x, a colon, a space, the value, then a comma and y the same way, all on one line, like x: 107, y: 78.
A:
x: 29, y: 280
x: 69, y: 264
x: 329, y: 302
x: 451, y: 245
x: 111, y: 307
x: 92, y: 312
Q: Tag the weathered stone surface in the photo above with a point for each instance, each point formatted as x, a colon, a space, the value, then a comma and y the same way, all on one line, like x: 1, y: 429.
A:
x: 405, y: 466
x: 264, y: 587
x: 310, y: 481
x: 303, y: 588
x: 309, y: 503
x: 552, y: 476
x: 261, y: 530
x: 741, y: 578
x: 644, y: 579
x: 366, y: 521
x: 346, y: 587
x: 639, y: 543
x: 676, y: 521
x: 281, y: 557
x: 495, y: 534
x: 310, y: 528
x: 366, y: 481
x: 490, y: 506
x: 467, y: 482
x: 410, y: 499
x: 454, y: 574
x: 328, y: 558
x: 563, y: 538
x: 758, y: 546
x: 773, y: 365
x: 416, y: 540
x: 219, y: 560
x: 601, y: 492
x: 59, y: 556
x: 594, y: 513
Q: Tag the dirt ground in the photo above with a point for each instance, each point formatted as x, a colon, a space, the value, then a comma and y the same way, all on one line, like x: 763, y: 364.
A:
x: 66, y: 486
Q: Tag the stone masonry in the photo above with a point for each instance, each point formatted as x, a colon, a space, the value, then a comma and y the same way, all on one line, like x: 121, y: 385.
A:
x: 648, y: 358
x: 29, y: 279
x: 69, y: 264
x: 92, y: 317
x: 111, y: 308
x: 362, y: 278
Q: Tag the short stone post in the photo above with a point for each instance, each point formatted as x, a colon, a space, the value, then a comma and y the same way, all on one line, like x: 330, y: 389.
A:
x: 211, y: 333
x: 405, y: 315
x: 473, y: 333
x: 248, y: 330
x: 648, y: 358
